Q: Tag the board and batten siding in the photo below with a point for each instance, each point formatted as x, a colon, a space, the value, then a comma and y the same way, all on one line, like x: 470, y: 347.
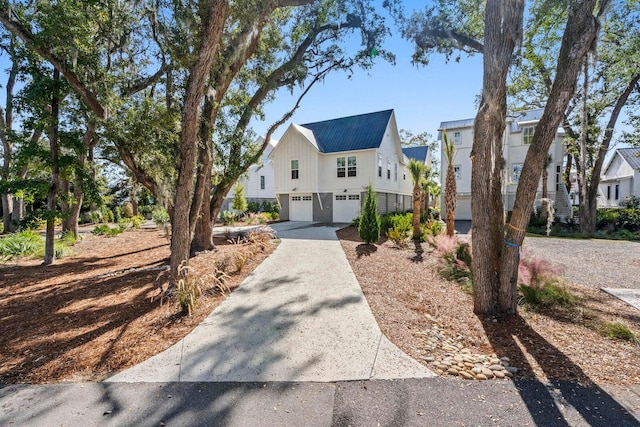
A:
x: 295, y: 146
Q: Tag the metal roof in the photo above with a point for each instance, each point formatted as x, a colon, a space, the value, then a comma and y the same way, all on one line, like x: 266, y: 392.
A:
x: 524, y: 118
x: 416, y: 153
x: 631, y: 155
x: 361, y: 132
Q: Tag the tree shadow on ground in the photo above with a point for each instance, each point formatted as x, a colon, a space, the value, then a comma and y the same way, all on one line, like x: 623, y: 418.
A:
x: 366, y: 250
x: 567, y: 384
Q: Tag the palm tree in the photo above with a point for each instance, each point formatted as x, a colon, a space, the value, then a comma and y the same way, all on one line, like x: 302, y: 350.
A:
x: 450, y: 189
x: 427, y: 184
x: 416, y: 169
x: 545, y: 178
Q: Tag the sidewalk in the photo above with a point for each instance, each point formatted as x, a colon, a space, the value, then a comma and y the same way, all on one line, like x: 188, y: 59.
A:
x: 300, y: 316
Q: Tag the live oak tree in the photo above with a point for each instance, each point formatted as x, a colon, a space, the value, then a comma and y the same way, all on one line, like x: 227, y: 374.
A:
x: 496, y: 251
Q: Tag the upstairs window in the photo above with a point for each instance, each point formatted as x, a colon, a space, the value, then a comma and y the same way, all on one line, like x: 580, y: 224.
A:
x: 379, y: 166
x: 395, y: 172
x: 457, y: 171
x: 262, y: 182
x: 342, y: 170
x: 388, y: 168
x: 457, y: 137
x: 295, y: 173
x: 351, y: 163
x: 617, y: 191
x: 527, y: 134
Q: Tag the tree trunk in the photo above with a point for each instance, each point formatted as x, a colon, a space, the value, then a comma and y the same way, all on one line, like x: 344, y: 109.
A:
x: 416, y: 211
x: 503, y: 31
x: 217, y: 199
x: 17, y: 214
x: 49, y: 250
x: 544, y: 208
x: 133, y: 196
x: 579, y: 36
x: 450, y: 194
x: 7, y: 209
x: 585, y: 214
x: 212, y: 24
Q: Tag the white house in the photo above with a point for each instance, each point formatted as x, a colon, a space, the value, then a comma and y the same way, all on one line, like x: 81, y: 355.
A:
x: 258, y: 181
x: 322, y: 169
x: 621, y: 178
x: 517, y: 137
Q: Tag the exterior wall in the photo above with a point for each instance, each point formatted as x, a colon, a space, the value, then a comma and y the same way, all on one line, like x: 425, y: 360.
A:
x: 328, y: 180
x: 390, y: 154
x: 294, y: 146
x: 619, y: 173
x: 514, y: 153
x: 323, y: 207
x: 283, y: 201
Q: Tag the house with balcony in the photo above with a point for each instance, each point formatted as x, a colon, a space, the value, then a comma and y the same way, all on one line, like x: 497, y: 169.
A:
x: 322, y: 169
x: 517, y: 137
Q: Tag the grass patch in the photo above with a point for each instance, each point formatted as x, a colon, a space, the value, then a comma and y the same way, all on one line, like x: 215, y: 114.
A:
x: 619, y: 331
x: 105, y: 230
x: 550, y: 294
x: 18, y: 245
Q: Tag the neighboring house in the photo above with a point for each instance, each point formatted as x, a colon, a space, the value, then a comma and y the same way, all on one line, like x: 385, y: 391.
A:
x: 517, y: 137
x: 621, y: 178
x: 322, y: 169
x: 258, y: 181
x: 420, y: 153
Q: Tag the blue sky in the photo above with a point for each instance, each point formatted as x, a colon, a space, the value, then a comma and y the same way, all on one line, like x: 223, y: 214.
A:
x: 422, y: 96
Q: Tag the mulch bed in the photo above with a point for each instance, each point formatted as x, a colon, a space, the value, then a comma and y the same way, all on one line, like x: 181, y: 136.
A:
x: 408, y: 296
x: 87, y: 317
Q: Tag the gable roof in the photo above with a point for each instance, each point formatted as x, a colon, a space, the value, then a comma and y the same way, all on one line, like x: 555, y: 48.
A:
x: 361, y: 132
x: 631, y: 156
x: 416, y: 153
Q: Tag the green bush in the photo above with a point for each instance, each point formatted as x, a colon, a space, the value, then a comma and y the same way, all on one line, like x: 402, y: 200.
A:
x: 617, y: 330
x: 239, y: 202
x: 21, y: 244
x: 127, y: 210
x: 551, y: 294
x: 253, y: 206
x: 137, y: 221
x: 160, y: 216
x: 228, y: 217
x: 105, y: 230
x: 369, y: 226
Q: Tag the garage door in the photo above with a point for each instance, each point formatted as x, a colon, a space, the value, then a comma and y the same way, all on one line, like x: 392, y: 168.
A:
x: 301, y: 208
x: 345, y: 207
x: 463, y: 208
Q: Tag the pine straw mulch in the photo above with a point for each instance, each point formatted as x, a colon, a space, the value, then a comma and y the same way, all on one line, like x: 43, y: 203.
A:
x: 87, y: 317
x: 407, y: 296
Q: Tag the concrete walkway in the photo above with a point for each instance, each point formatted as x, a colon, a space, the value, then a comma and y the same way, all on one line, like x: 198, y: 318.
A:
x: 300, y: 316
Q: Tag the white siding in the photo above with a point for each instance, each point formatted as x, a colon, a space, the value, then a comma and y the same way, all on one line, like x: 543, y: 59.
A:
x: 328, y: 181
x: 295, y: 146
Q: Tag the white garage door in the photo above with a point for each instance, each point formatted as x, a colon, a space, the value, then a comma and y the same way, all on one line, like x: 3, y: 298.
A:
x: 301, y: 208
x: 345, y: 207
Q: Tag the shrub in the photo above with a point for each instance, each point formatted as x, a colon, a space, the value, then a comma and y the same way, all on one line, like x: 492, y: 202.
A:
x: 607, y: 218
x: 68, y: 239
x: 127, y: 210
x: 399, y: 238
x: 535, y: 271
x: 432, y: 228
x: 369, y: 226
x: 21, y: 244
x: 631, y: 202
x: 617, y: 330
x: 105, y: 230
x: 188, y: 290
x: 253, y: 206
x: 137, y: 221
x: 239, y: 202
x: 228, y: 217
x: 550, y: 294
x: 160, y: 216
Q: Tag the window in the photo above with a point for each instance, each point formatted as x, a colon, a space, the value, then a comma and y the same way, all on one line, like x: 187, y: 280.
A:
x: 262, y: 182
x: 351, y: 163
x: 617, y: 191
x: 395, y: 172
x: 306, y: 198
x: 517, y: 170
x: 354, y: 197
x: 527, y: 134
x: 379, y: 166
x: 457, y: 171
x: 294, y: 169
x: 342, y: 170
x: 388, y: 168
x: 608, y: 192
x: 296, y: 198
x: 457, y: 138
x: 341, y: 197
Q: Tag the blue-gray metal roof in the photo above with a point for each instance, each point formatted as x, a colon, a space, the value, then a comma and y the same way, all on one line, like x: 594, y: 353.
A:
x: 416, y: 153
x: 361, y: 132
x: 631, y: 155
x: 523, y: 117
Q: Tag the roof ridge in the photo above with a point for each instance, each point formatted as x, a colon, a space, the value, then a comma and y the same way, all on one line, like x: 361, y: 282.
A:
x: 348, y: 117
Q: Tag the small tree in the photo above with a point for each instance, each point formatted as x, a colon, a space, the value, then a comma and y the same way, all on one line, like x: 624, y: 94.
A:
x: 239, y: 201
x: 450, y: 184
x: 369, y: 226
x: 416, y: 170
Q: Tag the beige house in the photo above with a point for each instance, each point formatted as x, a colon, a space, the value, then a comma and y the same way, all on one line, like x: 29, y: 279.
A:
x: 517, y: 137
x: 322, y: 169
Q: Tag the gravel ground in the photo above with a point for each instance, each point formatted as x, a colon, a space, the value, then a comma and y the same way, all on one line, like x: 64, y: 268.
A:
x: 595, y: 263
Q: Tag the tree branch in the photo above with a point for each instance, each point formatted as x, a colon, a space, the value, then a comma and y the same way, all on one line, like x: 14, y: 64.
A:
x: 16, y: 28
